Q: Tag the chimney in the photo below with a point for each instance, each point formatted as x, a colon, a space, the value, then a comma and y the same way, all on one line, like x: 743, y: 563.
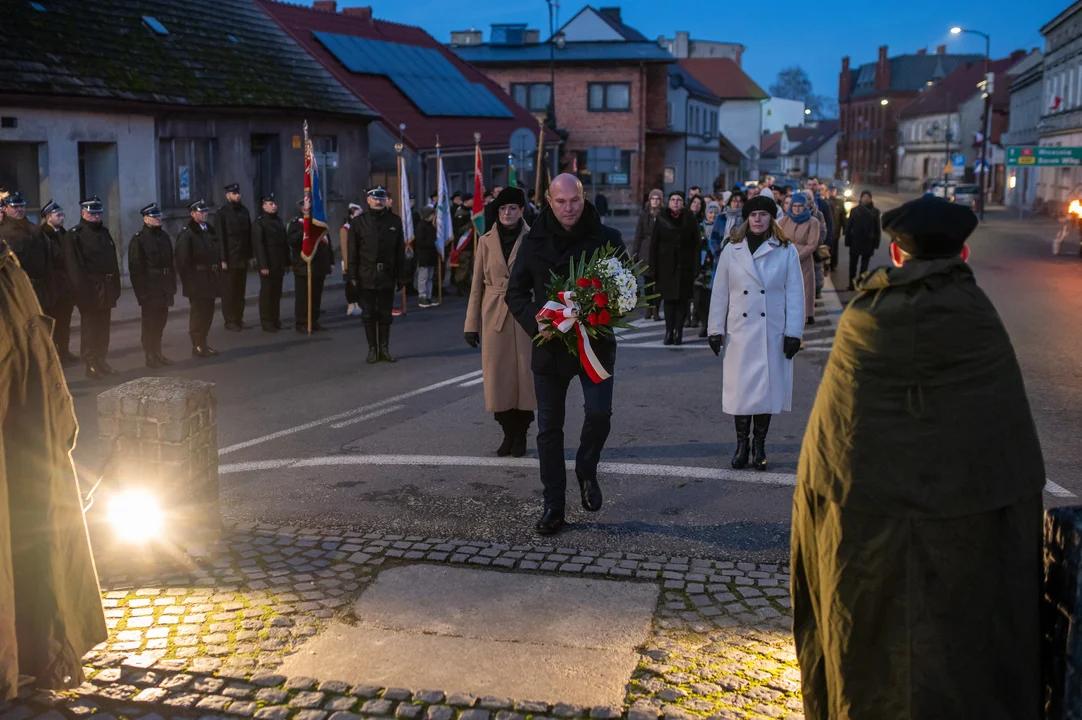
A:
x: 882, y: 70
x: 844, y: 79
x: 612, y: 13
x: 325, y: 5
x: 941, y: 50
x: 682, y: 44
x: 922, y: 51
x: 364, y: 13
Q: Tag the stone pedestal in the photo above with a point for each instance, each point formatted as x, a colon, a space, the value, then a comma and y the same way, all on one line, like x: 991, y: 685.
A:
x: 1061, y: 613
x: 164, y: 438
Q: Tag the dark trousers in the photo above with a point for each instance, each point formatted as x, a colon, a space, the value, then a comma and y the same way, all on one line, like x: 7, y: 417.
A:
x: 154, y: 317
x: 270, y: 298
x: 702, y: 305
x: 61, y: 315
x: 300, y: 300
x: 376, y: 312
x: 234, y: 281
x: 353, y: 294
x: 200, y: 317
x: 94, y: 334
x: 858, y: 258
x: 676, y: 312
x: 551, y: 393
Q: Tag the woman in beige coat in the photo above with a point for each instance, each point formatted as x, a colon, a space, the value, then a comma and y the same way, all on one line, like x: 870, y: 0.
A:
x: 802, y: 229
x: 505, y: 346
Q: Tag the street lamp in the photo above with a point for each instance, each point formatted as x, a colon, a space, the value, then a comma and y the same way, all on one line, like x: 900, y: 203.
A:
x: 807, y: 112
x: 884, y: 102
x: 986, y: 125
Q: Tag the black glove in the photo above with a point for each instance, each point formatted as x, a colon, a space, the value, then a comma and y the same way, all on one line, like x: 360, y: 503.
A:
x: 473, y: 339
x: 791, y: 346
x: 716, y: 343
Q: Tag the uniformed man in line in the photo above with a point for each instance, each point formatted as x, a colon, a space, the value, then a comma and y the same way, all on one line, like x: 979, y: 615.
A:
x: 272, y: 259
x: 30, y: 248
x: 200, y: 265
x: 52, y: 233
x: 150, y: 266
x: 321, y: 265
x: 94, y: 271
x: 233, y: 228
x: 462, y: 274
x: 377, y: 266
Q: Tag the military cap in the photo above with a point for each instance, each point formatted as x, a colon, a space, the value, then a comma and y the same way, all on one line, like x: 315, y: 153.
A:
x: 93, y: 205
x: 15, y: 199
x: 50, y: 208
x: 151, y: 211
x: 198, y: 206
x: 510, y: 196
x: 379, y: 192
x: 232, y: 188
x: 269, y: 197
x: 930, y: 227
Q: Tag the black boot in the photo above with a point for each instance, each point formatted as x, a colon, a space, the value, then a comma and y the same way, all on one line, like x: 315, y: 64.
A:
x: 551, y: 522
x: 105, y: 367
x: 590, y: 492
x: 668, y: 338
x: 373, y: 344
x: 743, y: 429
x: 152, y: 360
x: 758, y: 442
x: 678, y: 336
x: 162, y: 359
x: 522, y: 429
x: 93, y: 371
x: 506, y: 420
x: 384, y: 339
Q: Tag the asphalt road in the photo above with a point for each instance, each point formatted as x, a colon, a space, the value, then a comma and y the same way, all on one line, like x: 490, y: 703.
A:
x: 311, y: 436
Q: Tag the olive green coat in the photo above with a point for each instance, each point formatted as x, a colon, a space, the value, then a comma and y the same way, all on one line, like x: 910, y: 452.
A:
x: 50, y: 604
x: 916, y: 539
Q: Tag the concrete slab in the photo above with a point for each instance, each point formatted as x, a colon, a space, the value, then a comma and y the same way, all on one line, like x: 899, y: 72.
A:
x: 528, y: 637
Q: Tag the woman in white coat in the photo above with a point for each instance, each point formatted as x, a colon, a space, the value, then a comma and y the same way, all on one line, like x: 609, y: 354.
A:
x: 757, y: 315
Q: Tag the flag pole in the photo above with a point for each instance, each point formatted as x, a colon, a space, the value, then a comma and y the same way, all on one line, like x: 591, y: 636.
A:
x: 308, y: 219
x: 401, y: 168
x: 540, y: 155
x: 443, y: 248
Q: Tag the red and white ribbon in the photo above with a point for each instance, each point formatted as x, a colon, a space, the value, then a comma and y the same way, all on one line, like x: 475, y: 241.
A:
x: 563, y: 315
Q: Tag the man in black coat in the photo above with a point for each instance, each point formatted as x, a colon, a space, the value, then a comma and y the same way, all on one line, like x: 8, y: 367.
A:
x: 200, y: 265
x: 233, y: 228
x: 674, y: 263
x: 54, y: 236
x: 426, y: 256
x: 568, y: 229
x: 862, y: 235
x: 377, y: 266
x: 271, y: 251
x: 95, y: 280
x: 154, y: 280
x: 322, y: 262
x: 29, y: 247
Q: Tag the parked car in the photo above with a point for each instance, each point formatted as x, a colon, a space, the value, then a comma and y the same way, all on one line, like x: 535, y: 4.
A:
x: 943, y: 189
x: 969, y: 195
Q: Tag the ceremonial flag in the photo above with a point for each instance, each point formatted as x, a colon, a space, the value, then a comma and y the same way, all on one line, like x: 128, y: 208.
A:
x: 315, y: 216
x: 444, y: 227
x: 478, y: 216
x: 542, y: 182
x: 404, y: 203
x: 512, y: 173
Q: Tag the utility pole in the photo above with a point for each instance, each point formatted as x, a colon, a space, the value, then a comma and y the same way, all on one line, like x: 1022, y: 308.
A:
x: 552, y: 63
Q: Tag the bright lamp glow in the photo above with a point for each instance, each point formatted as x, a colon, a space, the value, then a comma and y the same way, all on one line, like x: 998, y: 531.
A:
x: 848, y: 192
x: 884, y: 101
x: 848, y: 206
x: 807, y: 112
x: 135, y: 515
x: 956, y: 30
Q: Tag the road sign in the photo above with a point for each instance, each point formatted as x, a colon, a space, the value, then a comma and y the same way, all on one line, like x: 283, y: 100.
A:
x: 1044, y: 156
x: 948, y: 170
x: 523, y: 143
x: 978, y: 166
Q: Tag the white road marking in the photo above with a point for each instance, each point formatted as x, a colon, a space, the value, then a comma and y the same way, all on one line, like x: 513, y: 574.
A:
x: 819, y: 349
x: 471, y: 383
x: 819, y: 341
x: 349, y: 413
x: 647, y: 333
x: 643, y: 322
x: 688, y: 345
x: 1058, y: 490
x: 367, y: 416
x: 613, y: 468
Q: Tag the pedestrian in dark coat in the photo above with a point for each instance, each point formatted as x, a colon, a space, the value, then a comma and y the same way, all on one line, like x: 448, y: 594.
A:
x: 200, y: 265
x: 95, y: 279
x: 50, y: 604
x: 643, y: 241
x: 53, y: 232
x: 568, y: 229
x: 837, y: 207
x: 233, y: 228
x: 29, y: 247
x: 916, y: 532
x: 426, y: 256
x: 154, y: 280
x: 321, y: 265
x: 272, y: 259
x: 862, y: 235
x: 377, y: 266
x: 674, y: 262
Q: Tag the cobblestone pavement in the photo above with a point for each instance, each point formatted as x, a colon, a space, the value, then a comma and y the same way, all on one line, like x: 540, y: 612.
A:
x: 206, y: 642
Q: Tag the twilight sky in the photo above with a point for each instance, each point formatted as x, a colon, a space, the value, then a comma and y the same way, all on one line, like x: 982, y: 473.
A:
x: 774, y: 36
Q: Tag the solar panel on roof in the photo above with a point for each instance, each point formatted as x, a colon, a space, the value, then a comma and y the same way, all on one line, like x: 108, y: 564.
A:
x: 424, y: 75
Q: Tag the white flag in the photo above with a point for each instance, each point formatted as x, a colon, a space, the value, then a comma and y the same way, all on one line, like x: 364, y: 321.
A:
x: 444, y: 226
x: 404, y: 204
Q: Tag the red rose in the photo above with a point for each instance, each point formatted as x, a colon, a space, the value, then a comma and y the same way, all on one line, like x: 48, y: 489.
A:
x: 601, y: 299
x: 582, y: 283
x: 592, y: 318
x: 603, y: 317
x: 597, y: 283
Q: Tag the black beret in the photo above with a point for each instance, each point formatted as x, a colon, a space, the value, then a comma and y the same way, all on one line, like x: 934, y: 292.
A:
x: 151, y: 211
x: 930, y: 227
x: 760, y: 202
x: 232, y: 187
x: 510, y: 196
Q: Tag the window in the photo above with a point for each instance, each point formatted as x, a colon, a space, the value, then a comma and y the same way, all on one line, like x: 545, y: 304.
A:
x: 185, y: 171
x: 606, y: 166
x: 535, y: 97
x: 325, y: 148
x: 609, y: 97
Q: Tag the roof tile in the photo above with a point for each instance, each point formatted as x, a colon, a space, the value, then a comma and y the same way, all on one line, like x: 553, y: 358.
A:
x: 724, y: 78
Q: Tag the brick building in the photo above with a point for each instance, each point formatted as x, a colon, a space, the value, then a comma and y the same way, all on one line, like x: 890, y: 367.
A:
x: 870, y: 99
x: 609, y: 101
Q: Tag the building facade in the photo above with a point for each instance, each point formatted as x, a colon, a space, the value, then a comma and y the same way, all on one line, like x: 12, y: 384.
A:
x: 692, y: 150
x: 780, y: 113
x: 1061, y: 117
x: 682, y: 47
x: 1026, y: 107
